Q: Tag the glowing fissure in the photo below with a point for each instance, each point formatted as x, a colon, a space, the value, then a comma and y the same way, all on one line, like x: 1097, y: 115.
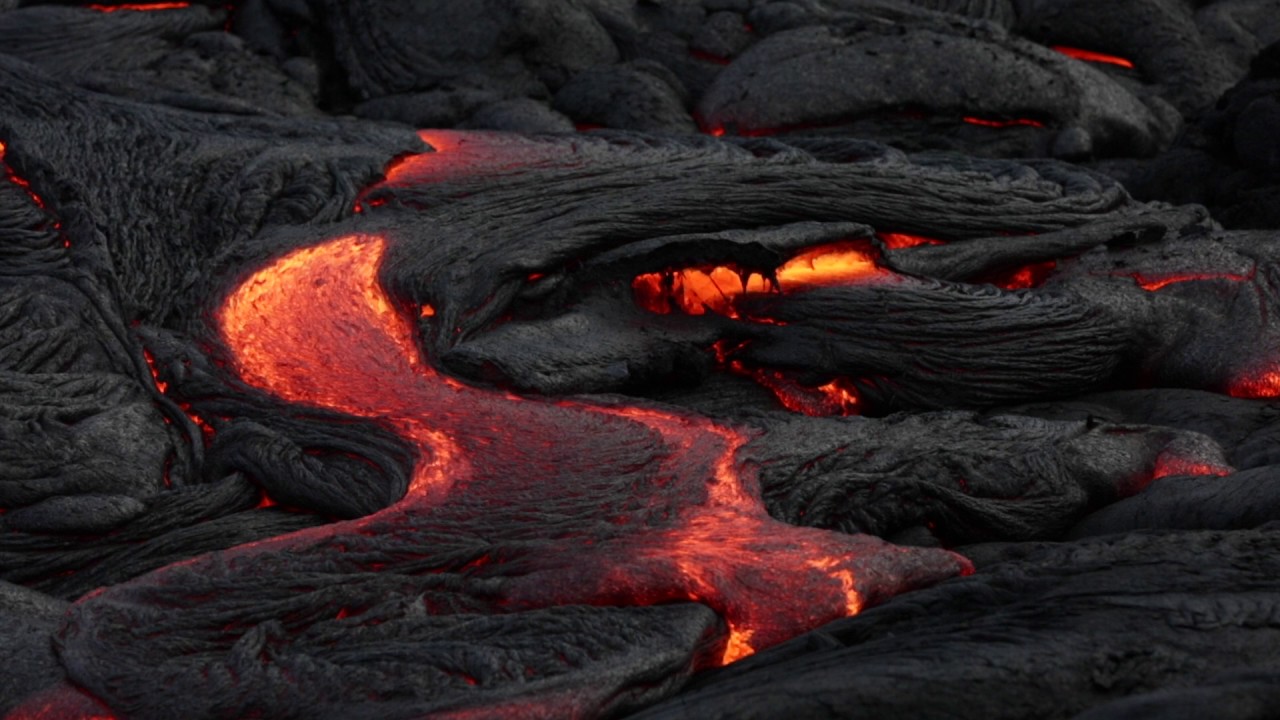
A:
x: 717, y: 289
x: 1095, y: 57
x: 22, y: 183
x: 140, y: 7
x: 315, y: 328
x: 1154, y: 283
x: 695, y: 291
x: 1002, y: 122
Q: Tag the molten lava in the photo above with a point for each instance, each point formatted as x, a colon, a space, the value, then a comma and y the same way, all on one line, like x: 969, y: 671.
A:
x: 315, y: 328
x: 1091, y: 56
x: 1259, y: 385
x: 694, y: 291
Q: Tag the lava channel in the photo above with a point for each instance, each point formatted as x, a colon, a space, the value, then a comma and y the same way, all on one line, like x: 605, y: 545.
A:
x: 316, y: 328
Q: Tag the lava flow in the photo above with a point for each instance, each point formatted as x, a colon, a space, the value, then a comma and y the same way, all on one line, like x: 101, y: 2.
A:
x: 694, y: 291
x: 681, y: 519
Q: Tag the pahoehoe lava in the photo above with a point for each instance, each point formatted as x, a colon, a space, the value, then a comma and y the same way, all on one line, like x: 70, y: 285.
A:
x: 589, y: 358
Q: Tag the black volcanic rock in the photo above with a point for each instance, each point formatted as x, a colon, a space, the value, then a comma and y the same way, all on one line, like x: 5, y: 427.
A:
x: 1045, y: 364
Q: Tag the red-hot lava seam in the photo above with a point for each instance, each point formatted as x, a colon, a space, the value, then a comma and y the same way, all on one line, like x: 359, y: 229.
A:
x: 140, y: 7
x: 1257, y: 384
x: 1091, y: 56
x: 1152, y: 284
x: 276, y: 323
x: 21, y: 182
x: 717, y: 289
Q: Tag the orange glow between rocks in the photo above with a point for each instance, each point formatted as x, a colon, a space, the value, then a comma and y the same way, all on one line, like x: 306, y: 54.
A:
x: 315, y: 327
x: 206, y: 430
x: 1026, y: 277
x: 1091, y: 56
x: 694, y: 291
x: 900, y: 241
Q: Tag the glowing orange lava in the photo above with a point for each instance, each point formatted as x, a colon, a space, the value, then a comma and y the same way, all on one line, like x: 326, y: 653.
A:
x: 1091, y: 56
x: 315, y: 327
x: 140, y: 7
x: 696, y: 291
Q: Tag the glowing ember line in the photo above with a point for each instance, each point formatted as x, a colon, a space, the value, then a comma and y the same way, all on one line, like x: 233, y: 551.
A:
x: 140, y: 7
x: 1152, y: 284
x: 21, y: 182
x: 1003, y: 123
x: 1091, y: 56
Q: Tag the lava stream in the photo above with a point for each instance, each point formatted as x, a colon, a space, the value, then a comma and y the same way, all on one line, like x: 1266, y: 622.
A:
x: 316, y: 328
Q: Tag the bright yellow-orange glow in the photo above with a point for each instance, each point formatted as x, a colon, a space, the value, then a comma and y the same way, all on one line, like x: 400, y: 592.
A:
x: 1091, y: 56
x: 696, y: 291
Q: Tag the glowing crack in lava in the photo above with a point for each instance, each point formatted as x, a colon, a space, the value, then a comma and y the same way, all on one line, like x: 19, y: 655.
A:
x: 140, y: 7
x: 316, y: 328
x: 694, y: 291
x: 1091, y: 56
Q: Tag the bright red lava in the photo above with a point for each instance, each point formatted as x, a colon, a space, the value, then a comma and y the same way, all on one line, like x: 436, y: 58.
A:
x: 1091, y: 56
x: 1260, y: 385
x: 140, y: 7
x: 1025, y: 277
x: 315, y: 327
